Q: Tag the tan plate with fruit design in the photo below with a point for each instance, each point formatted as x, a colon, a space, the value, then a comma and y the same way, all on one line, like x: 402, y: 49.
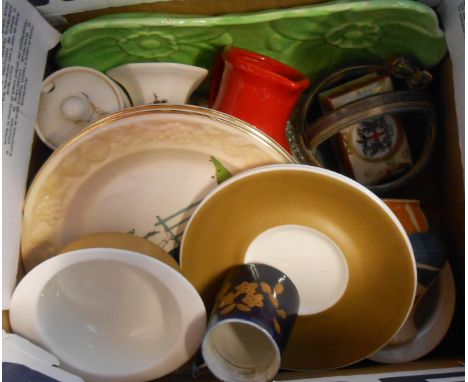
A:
x: 143, y: 171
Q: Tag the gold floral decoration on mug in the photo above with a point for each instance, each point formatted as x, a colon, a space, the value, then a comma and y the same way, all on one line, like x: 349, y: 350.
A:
x: 278, y: 289
x: 251, y: 299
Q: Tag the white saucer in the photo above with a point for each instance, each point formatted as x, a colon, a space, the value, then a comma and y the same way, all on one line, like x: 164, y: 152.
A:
x: 433, y: 317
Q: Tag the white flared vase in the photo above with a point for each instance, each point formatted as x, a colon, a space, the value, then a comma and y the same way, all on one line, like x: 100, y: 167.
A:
x: 156, y: 82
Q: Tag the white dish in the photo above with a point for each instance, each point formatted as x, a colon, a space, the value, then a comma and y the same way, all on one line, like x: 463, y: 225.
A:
x: 433, y: 317
x: 110, y: 314
x: 142, y: 170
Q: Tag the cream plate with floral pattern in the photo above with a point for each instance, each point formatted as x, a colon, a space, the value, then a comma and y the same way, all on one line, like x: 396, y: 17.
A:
x: 142, y: 170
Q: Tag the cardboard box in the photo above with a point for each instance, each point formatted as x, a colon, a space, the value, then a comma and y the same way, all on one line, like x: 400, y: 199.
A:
x: 440, y: 187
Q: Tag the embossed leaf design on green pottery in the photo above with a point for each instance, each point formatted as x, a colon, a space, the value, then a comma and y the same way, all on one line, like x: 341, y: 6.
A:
x: 313, y: 39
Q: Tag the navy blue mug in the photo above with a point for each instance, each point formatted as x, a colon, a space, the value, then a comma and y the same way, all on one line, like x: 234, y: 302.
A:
x: 251, y: 321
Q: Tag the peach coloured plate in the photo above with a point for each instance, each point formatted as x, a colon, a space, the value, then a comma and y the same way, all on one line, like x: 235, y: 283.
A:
x: 343, y: 248
x: 143, y: 171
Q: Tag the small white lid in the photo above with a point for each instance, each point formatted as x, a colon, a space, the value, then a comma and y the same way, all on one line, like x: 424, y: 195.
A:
x: 71, y: 99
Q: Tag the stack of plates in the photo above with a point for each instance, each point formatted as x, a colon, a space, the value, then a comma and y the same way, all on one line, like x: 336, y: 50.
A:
x: 143, y: 171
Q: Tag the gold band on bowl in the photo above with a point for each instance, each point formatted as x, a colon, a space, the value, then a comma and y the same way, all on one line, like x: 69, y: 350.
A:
x: 382, y: 272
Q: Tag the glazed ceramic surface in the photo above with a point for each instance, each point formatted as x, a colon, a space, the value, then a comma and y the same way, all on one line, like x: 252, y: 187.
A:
x: 429, y: 252
x: 312, y: 39
x: 257, y: 89
x: 353, y: 266
x: 410, y: 214
x: 430, y: 255
x: 250, y: 324
x: 158, y: 82
x: 72, y: 99
x: 433, y: 316
x: 141, y: 171
x: 125, y: 241
x: 109, y: 314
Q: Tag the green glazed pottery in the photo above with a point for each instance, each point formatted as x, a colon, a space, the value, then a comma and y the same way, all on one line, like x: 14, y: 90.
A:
x: 312, y: 39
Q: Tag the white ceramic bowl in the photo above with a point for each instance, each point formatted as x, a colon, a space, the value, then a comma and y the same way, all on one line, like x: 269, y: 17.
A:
x: 110, y: 314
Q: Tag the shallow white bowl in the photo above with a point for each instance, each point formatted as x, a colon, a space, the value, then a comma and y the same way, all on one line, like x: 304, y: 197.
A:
x: 110, y: 314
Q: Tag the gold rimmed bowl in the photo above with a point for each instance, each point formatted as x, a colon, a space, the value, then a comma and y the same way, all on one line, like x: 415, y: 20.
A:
x: 342, y: 247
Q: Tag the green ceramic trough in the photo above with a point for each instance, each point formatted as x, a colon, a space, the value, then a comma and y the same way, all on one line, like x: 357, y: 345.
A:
x: 313, y: 39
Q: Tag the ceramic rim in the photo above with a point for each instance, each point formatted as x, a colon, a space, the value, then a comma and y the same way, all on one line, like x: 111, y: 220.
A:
x: 226, y: 369
x: 185, y: 109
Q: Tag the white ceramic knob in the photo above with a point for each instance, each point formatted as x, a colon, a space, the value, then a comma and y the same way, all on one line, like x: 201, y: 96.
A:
x: 71, y: 99
x: 76, y: 108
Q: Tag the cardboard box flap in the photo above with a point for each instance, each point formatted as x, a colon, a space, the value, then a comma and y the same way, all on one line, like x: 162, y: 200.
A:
x: 22, y: 361
x: 452, y: 15
x: 26, y: 39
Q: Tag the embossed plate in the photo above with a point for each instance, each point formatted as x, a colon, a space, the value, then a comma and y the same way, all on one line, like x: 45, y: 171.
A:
x: 312, y: 39
x: 142, y: 170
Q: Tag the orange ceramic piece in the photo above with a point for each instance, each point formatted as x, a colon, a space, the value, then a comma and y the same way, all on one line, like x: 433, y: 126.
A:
x: 410, y: 214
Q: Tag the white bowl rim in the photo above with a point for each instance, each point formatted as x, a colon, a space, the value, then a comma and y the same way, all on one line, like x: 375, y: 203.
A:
x: 26, y: 296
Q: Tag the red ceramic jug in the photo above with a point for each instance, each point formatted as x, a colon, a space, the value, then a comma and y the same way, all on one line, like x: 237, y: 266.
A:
x: 256, y: 89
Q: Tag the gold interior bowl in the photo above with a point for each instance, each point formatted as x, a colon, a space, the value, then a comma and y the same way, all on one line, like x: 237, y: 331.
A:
x: 356, y: 250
